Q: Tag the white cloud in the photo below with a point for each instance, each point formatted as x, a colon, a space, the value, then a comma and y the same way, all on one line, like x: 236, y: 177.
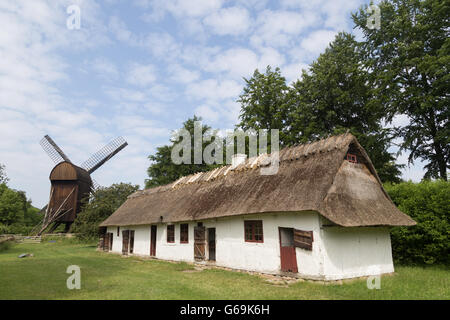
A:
x: 207, y: 113
x: 334, y: 13
x: 270, y: 56
x: 213, y: 90
x: 312, y: 45
x: 278, y: 28
x: 141, y: 75
x: 181, y: 74
x: 236, y: 61
x: 105, y: 68
x: 229, y: 21
x: 180, y: 8
x: 120, y: 31
x: 293, y: 71
x: 162, y: 45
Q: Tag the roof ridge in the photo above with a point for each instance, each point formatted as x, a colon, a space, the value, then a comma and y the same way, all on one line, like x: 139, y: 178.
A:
x: 289, y: 153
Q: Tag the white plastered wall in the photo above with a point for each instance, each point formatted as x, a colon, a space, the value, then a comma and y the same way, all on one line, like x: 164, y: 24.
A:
x: 337, y: 253
x: 356, y: 252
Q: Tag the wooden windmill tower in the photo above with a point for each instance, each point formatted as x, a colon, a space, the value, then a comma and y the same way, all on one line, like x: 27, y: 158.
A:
x: 70, y: 184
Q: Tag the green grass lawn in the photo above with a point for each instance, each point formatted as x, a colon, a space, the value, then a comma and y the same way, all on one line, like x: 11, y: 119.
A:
x: 110, y: 276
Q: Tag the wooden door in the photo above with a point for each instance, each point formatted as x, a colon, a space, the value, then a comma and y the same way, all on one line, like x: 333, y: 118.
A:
x: 106, y: 242
x: 111, y: 236
x: 212, y: 244
x: 287, y: 250
x: 125, y: 241
x: 153, y: 241
x: 131, y: 241
x: 199, y: 243
x: 101, y: 243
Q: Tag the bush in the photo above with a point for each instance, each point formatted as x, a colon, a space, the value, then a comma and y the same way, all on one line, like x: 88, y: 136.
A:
x: 4, y: 229
x: 428, y: 204
x: 15, y: 229
x: 5, y: 244
x: 102, y: 203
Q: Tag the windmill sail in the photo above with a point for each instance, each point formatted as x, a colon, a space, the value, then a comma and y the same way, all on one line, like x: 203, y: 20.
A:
x: 106, y: 153
x: 95, y: 185
x: 54, y: 152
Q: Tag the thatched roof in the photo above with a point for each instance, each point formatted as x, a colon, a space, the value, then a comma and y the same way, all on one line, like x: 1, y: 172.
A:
x: 311, y: 177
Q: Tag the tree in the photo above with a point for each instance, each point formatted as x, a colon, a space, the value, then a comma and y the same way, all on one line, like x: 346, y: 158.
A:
x: 12, y: 206
x: 409, y: 63
x: 3, y: 178
x: 334, y: 96
x: 163, y: 170
x: 263, y: 103
x: 427, y: 203
x: 100, y: 205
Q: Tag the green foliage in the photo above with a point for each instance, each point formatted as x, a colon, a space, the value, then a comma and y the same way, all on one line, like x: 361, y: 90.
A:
x: 11, y: 206
x: 333, y: 97
x: 15, y: 228
x: 102, y: 203
x: 163, y: 170
x: 263, y: 103
x: 5, y: 245
x: 409, y: 63
x: 17, y: 215
x: 428, y: 203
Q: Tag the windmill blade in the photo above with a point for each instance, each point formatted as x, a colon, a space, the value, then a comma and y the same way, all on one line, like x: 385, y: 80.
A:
x: 106, y: 153
x: 95, y: 185
x: 54, y: 152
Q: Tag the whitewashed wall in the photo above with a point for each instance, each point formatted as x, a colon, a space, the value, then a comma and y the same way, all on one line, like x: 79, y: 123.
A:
x: 337, y: 252
x: 356, y: 252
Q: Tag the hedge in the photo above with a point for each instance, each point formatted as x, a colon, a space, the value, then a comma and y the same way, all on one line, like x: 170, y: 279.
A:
x: 428, y: 203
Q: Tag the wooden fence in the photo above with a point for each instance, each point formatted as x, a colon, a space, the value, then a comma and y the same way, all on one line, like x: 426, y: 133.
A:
x: 21, y: 239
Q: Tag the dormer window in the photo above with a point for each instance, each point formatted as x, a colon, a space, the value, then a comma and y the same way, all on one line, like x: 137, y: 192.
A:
x: 351, y: 158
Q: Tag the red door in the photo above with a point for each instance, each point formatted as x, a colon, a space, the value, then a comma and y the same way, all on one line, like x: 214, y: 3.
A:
x: 153, y: 241
x: 287, y: 250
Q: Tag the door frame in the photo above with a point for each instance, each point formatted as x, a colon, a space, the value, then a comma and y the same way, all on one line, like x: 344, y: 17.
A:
x: 283, y: 252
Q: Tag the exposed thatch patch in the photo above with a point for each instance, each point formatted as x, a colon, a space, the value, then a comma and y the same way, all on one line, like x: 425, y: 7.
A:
x: 311, y: 177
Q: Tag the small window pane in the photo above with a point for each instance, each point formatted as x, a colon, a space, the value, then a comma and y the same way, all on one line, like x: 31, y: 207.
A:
x: 184, y: 233
x: 253, y: 230
x: 171, y: 233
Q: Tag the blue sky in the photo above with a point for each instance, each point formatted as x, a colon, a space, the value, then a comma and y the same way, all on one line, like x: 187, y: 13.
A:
x: 138, y: 69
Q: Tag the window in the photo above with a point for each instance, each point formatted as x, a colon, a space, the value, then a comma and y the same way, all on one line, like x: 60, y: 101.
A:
x: 118, y: 231
x: 303, y: 239
x: 184, y: 233
x: 253, y: 231
x: 171, y: 233
x: 351, y: 157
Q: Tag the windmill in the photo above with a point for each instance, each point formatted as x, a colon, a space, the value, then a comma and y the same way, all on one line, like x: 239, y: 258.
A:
x: 70, y: 184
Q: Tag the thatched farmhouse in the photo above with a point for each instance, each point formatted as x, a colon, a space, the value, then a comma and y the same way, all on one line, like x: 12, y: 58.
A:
x: 324, y: 215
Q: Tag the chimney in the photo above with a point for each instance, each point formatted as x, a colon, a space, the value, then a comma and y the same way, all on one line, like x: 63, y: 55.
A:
x: 237, y: 159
